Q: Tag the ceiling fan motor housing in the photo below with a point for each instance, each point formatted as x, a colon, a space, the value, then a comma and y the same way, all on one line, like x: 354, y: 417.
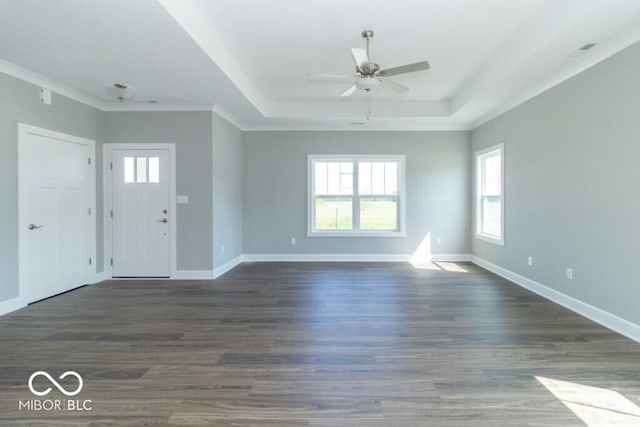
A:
x: 369, y: 69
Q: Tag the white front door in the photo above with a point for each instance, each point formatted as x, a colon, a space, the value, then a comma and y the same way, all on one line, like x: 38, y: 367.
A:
x: 54, y: 212
x: 141, y: 213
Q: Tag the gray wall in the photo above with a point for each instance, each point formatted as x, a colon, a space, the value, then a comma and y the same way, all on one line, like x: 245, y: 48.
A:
x: 275, y: 190
x: 572, y: 186
x: 20, y: 102
x: 192, y: 134
x: 227, y: 191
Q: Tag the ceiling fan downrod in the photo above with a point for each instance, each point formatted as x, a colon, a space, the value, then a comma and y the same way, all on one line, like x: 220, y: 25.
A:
x: 367, y: 35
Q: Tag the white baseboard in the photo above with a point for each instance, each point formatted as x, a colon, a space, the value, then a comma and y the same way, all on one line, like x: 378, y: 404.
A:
x: 11, y: 305
x: 451, y: 257
x: 349, y: 257
x: 179, y: 275
x: 324, y: 258
x: 99, y: 277
x: 219, y: 271
x: 193, y: 275
x: 604, y: 318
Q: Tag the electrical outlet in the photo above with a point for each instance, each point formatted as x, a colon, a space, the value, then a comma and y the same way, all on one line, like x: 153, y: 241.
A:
x: 530, y: 261
x: 570, y: 273
x: 293, y: 240
x: 222, y: 249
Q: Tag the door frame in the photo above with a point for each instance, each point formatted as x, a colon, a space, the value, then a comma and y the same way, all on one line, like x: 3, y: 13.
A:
x: 107, y: 169
x: 24, y: 130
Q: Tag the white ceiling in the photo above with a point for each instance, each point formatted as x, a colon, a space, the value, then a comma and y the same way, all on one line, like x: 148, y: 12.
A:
x: 250, y: 58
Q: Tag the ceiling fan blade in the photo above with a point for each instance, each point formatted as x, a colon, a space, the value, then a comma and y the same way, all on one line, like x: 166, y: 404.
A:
x: 396, y: 87
x: 360, y: 56
x: 403, y: 69
x: 350, y: 90
x: 329, y: 77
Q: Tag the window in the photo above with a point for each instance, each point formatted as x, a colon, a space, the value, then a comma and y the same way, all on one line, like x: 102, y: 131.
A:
x: 356, y: 195
x: 135, y: 170
x: 490, y: 194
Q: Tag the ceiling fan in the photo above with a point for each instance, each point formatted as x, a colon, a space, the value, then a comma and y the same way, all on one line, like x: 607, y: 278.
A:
x: 368, y: 75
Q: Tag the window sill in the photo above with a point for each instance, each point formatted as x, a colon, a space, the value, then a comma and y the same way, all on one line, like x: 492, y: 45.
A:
x: 490, y: 239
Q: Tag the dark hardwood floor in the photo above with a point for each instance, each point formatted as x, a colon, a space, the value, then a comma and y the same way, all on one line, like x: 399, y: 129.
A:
x: 302, y: 344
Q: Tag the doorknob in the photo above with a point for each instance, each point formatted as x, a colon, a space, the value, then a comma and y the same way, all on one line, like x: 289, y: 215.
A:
x: 33, y: 226
x: 163, y: 220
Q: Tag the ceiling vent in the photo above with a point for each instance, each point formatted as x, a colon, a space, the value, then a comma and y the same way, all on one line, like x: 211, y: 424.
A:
x: 582, y: 51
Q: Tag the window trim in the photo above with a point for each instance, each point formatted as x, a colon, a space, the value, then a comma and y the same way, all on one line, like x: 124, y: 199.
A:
x: 355, y: 158
x: 479, y: 156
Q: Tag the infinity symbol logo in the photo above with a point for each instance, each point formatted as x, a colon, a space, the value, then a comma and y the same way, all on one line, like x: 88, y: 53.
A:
x: 55, y: 383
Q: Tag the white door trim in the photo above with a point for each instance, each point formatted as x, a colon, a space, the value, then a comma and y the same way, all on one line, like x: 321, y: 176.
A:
x: 108, y: 200
x: 26, y: 129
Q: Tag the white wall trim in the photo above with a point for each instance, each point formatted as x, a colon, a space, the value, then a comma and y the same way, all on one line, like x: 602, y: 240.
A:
x: 219, y: 271
x: 350, y: 257
x: 604, y: 318
x: 193, y: 275
x: 100, y: 277
x: 325, y: 258
x: 451, y: 257
x: 10, y: 305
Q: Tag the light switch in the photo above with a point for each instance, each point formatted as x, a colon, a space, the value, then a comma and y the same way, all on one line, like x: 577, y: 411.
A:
x: 182, y: 200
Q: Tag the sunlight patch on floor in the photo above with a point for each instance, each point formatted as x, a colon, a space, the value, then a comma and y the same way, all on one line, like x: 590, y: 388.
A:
x: 596, y: 407
x: 424, y: 265
x: 452, y: 266
x: 421, y: 258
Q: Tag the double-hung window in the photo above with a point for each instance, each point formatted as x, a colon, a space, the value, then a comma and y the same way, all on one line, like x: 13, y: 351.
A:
x: 490, y: 194
x: 356, y: 195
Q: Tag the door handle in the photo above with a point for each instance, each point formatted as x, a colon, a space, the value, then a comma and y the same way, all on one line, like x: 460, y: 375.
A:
x: 33, y: 226
x: 163, y: 220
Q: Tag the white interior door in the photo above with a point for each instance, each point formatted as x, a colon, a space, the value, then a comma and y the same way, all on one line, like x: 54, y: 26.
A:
x: 141, y: 213
x: 54, y: 212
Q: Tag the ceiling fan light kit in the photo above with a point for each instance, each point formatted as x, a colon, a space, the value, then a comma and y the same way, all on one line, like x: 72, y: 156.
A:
x: 120, y: 92
x: 367, y: 83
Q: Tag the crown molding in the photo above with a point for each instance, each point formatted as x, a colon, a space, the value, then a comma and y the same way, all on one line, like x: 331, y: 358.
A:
x: 36, y: 79
x: 231, y: 118
x: 161, y: 106
x: 395, y: 125
x: 334, y: 128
